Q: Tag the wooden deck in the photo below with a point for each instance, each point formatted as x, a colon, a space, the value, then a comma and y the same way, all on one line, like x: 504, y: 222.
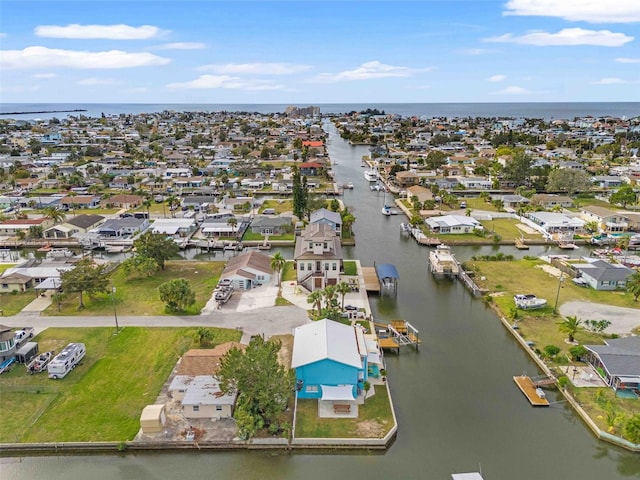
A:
x: 370, y: 276
x: 526, y: 386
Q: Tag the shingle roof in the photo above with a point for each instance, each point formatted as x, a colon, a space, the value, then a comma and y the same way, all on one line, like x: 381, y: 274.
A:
x: 620, y: 356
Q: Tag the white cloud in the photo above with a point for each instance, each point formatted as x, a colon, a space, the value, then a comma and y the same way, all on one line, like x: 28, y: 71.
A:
x: 137, y: 90
x: 592, y: 11
x: 96, y: 81
x: 111, y: 32
x: 3, y: 35
x: 226, y: 81
x: 496, y: 78
x: 513, y: 90
x: 44, y: 75
x: 368, y: 71
x: 614, y: 81
x: 255, y: 68
x: 182, y: 46
x: 43, y: 57
x: 474, y: 51
x: 566, y: 37
x: 627, y: 60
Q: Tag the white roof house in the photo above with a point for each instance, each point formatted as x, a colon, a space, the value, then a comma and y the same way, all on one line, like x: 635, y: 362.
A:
x: 453, y: 224
x: 324, y: 340
x: 173, y: 226
x: 552, y: 222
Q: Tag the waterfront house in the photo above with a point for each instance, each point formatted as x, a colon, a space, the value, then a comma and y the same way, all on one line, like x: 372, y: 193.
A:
x: 318, y: 256
x: 122, y: 227
x: 203, y: 361
x: 511, y: 201
x: 550, y: 223
x: 608, y: 221
x: 123, y: 201
x: 33, y: 272
x: 309, y: 169
x: 453, y: 224
x: 176, y: 228
x: 201, y: 397
x: 330, y: 361
x: 333, y: 219
x: 249, y: 269
x: 13, y: 226
x: 271, y: 225
x: 602, y: 275
x: 607, y: 181
x: 406, y: 179
x: 422, y: 193
x: 80, y: 201
x: 475, y: 183
x: 618, y: 362
x: 74, y: 226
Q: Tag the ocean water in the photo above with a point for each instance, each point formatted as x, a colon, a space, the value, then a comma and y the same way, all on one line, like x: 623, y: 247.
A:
x: 547, y: 111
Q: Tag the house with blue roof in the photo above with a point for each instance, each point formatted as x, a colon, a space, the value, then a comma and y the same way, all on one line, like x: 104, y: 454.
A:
x: 330, y: 360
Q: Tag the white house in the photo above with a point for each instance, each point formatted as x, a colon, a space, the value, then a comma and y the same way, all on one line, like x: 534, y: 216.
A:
x: 318, y: 256
x: 454, y: 224
x: 550, y: 223
x: 248, y: 270
x: 201, y: 397
x: 602, y: 275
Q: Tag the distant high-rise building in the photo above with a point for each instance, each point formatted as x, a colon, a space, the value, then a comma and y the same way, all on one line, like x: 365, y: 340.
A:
x: 301, y: 112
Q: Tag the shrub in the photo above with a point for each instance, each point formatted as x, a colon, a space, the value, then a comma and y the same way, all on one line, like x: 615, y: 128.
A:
x: 551, y: 351
x: 563, y: 381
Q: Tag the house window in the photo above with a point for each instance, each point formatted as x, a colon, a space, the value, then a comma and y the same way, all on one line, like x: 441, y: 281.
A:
x: 196, y: 408
x: 334, y: 267
x: 301, y: 266
x: 309, y: 266
x: 5, y: 285
x: 218, y: 408
x: 311, y: 389
x: 326, y: 266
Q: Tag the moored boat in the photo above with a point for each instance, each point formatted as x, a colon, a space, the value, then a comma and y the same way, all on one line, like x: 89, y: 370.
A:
x: 442, y: 263
x: 371, y: 175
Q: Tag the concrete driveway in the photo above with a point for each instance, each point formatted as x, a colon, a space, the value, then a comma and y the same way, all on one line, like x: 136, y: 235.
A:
x: 623, y: 320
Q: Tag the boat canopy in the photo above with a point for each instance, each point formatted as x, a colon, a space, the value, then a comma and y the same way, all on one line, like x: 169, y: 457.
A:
x: 341, y: 392
x: 386, y: 270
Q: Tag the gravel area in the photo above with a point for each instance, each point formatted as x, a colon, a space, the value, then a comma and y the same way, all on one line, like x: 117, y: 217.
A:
x: 623, y: 320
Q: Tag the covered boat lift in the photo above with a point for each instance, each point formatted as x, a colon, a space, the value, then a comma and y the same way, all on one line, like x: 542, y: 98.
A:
x: 387, y: 277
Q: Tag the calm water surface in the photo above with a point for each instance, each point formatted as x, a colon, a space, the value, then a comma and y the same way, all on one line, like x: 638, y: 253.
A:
x: 456, y: 403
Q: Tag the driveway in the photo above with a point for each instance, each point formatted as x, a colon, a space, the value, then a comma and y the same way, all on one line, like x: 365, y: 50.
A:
x: 623, y: 320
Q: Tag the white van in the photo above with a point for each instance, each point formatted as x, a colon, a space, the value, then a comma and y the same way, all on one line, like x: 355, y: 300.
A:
x: 66, y: 360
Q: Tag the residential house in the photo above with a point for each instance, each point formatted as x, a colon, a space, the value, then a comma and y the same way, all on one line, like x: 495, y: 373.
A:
x: 236, y: 204
x: 607, y: 181
x: 310, y: 169
x: 80, y: 201
x: 13, y: 226
x: 550, y: 201
x: 15, y: 282
x: 202, y: 397
x: 422, y: 193
x: 330, y: 361
x: 119, y: 182
x: 174, y: 227
x: 333, y: 219
x: 475, y: 183
x: 118, y: 228
x: 204, y: 361
x: 318, y: 256
x: 219, y: 226
x: 123, y: 201
x: 7, y: 343
x: 249, y: 269
x: 602, y: 275
x: 407, y: 178
x: 618, y: 361
x: 74, y: 226
x: 608, y: 221
x: 28, y: 183
x: 512, y: 201
x: 271, y: 225
x: 34, y: 272
x: 453, y: 224
x: 550, y: 223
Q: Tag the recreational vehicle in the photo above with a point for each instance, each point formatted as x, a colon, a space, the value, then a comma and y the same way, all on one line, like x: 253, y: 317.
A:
x: 66, y: 360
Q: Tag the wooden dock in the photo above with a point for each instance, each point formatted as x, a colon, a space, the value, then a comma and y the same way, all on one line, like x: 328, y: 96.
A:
x: 371, y: 283
x: 526, y: 386
x: 520, y: 245
x: 396, y: 334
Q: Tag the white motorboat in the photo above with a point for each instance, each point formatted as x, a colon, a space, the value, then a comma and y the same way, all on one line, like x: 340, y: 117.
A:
x: 529, y: 301
x: 371, y: 175
x: 405, y: 228
x: 442, y: 263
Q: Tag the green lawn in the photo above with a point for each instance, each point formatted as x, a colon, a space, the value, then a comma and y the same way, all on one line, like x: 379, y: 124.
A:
x: 280, y: 206
x: 350, y: 267
x: 251, y: 236
x: 139, y: 295
x: 289, y: 272
x: 375, y: 419
x: 12, y: 303
x: 478, y: 203
x: 506, y: 228
x: 100, y: 400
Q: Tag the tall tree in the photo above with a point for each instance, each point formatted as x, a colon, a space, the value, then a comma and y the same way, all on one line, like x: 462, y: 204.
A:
x: 343, y: 288
x: 518, y: 169
x: 177, y: 294
x: 315, y: 298
x: 623, y: 196
x: 300, y: 195
x: 568, y: 180
x: 86, y: 277
x: 54, y: 214
x: 157, y: 246
x: 277, y: 263
x: 633, y: 285
x: 264, y: 386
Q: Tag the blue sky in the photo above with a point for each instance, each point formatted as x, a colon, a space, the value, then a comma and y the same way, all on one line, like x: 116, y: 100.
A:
x: 319, y: 52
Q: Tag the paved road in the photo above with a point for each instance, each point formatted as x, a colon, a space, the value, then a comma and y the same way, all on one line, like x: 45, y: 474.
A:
x: 268, y: 321
x: 623, y: 320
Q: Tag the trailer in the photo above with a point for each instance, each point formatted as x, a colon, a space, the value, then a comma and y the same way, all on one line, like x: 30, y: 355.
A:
x: 66, y: 360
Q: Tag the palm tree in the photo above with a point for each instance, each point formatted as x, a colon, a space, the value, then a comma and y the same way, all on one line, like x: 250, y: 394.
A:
x: 343, y: 288
x: 315, y: 297
x: 172, y: 201
x: 277, y: 263
x: 232, y: 222
x: 54, y: 214
x: 329, y: 294
x: 633, y: 285
x: 570, y: 326
x: 147, y: 204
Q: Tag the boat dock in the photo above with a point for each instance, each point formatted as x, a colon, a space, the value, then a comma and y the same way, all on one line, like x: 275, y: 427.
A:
x: 370, y: 276
x: 396, y: 334
x: 520, y: 245
x: 534, y: 394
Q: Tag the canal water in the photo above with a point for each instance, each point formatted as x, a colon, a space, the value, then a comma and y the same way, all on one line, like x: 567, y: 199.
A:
x: 457, y: 406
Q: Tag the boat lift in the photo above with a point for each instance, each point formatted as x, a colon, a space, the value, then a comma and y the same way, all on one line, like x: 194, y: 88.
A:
x: 396, y: 334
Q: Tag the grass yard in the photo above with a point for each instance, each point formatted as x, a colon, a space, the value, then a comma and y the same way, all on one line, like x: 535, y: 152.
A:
x: 251, y: 236
x: 13, y: 303
x: 100, y: 400
x: 139, y: 295
x: 506, y: 228
x: 280, y: 206
x: 289, y: 272
x: 478, y: 203
x: 374, y: 421
x: 350, y: 267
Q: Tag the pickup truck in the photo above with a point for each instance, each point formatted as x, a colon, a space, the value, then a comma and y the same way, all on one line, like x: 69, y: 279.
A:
x: 22, y: 335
